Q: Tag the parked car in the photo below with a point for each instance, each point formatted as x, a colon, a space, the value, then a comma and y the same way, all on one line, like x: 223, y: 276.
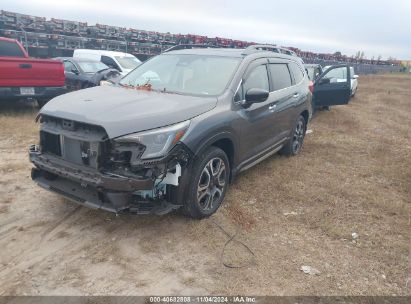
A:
x: 84, y: 73
x: 22, y: 77
x: 315, y: 71
x: 123, y: 62
x: 177, y: 130
x: 340, y: 76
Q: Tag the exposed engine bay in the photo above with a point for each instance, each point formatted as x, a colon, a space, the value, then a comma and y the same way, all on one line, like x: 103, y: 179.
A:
x: 80, y: 162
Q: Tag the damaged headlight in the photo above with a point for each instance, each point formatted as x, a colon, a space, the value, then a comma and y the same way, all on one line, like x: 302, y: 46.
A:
x: 157, y: 142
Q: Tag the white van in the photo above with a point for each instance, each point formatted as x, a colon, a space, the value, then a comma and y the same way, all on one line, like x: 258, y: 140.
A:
x: 123, y: 62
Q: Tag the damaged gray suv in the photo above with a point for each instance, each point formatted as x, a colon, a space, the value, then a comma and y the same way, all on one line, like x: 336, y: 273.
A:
x: 175, y: 131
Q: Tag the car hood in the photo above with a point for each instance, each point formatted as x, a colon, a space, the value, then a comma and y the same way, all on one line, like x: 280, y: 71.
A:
x: 122, y: 111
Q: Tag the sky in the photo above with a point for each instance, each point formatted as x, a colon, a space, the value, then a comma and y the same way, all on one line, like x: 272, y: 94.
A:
x: 378, y: 27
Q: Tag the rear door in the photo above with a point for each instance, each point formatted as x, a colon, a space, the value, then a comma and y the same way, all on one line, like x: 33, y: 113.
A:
x: 284, y: 95
x: 333, y: 87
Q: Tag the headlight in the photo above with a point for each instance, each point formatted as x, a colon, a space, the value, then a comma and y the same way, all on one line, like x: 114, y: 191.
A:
x: 157, y: 142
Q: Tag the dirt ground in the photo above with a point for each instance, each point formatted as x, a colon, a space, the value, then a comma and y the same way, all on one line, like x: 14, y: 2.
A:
x: 353, y: 176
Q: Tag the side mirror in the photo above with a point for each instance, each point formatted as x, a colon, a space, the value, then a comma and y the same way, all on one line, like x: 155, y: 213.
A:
x: 355, y: 77
x: 255, y: 95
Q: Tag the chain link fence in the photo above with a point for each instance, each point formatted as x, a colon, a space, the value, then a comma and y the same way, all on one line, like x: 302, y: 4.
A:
x: 359, y: 68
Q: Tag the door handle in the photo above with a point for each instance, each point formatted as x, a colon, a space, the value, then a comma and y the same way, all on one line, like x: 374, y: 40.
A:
x: 272, y: 107
x: 296, y: 95
x: 25, y: 66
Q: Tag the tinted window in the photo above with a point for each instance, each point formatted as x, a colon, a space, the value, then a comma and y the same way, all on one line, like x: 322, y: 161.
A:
x: 68, y: 66
x: 310, y: 72
x: 10, y: 49
x: 280, y: 75
x: 257, y: 79
x: 297, y: 73
x: 110, y: 62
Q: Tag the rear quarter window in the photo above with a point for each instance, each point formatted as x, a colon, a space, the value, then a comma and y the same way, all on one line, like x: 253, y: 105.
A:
x: 280, y: 76
x: 10, y: 49
x: 297, y: 72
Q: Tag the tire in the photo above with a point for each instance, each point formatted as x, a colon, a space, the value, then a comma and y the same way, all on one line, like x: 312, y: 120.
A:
x: 209, y: 183
x: 293, y: 146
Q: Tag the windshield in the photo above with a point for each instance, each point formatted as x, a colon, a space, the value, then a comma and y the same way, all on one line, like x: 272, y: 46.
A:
x: 186, y: 74
x: 128, y: 62
x: 91, y: 66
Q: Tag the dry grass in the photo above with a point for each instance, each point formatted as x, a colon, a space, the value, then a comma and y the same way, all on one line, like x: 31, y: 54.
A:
x: 353, y: 175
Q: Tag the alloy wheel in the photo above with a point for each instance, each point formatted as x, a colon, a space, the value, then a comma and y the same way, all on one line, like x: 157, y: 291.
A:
x: 211, y: 184
x: 298, y: 136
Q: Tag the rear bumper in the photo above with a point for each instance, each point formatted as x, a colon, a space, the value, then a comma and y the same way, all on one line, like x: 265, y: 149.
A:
x: 85, y: 186
x: 39, y: 92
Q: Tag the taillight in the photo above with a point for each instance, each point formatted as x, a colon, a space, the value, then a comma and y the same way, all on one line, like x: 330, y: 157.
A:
x: 311, y: 86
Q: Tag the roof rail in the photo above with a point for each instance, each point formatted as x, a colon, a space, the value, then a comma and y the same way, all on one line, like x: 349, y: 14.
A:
x: 268, y: 47
x: 188, y: 46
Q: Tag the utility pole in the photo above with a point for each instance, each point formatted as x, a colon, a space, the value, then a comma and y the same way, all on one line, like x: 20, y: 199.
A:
x: 125, y: 40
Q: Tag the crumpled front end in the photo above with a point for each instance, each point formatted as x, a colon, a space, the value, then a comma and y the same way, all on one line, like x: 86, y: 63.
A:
x: 80, y: 162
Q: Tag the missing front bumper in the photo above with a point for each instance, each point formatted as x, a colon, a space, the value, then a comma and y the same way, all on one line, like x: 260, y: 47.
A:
x: 94, y: 189
x: 93, y: 198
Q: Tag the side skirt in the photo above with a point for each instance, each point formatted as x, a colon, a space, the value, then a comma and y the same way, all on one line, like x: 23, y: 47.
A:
x: 247, y: 164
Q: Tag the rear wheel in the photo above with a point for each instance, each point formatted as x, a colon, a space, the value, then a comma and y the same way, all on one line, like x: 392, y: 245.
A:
x: 294, y: 144
x: 209, y: 183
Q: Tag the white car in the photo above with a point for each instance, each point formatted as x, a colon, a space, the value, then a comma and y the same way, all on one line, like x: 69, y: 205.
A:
x: 339, y: 76
x: 123, y: 62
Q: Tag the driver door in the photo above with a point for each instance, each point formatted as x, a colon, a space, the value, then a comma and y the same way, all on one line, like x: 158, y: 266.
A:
x: 258, y: 118
x: 333, y: 87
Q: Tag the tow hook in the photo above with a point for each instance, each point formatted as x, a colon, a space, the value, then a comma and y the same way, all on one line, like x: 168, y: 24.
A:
x: 34, y: 148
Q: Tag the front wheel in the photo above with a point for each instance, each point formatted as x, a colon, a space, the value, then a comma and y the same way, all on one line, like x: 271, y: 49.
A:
x: 293, y: 145
x: 209, y: 183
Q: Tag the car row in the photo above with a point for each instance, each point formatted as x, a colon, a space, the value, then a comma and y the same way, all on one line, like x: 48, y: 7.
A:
x: 178, y: 129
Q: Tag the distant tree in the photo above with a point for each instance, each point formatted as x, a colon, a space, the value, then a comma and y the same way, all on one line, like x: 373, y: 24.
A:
x: 379, y: 58
x: 338, y: 53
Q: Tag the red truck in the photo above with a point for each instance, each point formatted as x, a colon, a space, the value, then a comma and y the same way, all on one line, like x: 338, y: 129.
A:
x: 22, y: 77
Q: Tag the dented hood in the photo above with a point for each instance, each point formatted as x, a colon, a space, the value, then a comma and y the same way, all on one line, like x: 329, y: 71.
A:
x: 121, y: 111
